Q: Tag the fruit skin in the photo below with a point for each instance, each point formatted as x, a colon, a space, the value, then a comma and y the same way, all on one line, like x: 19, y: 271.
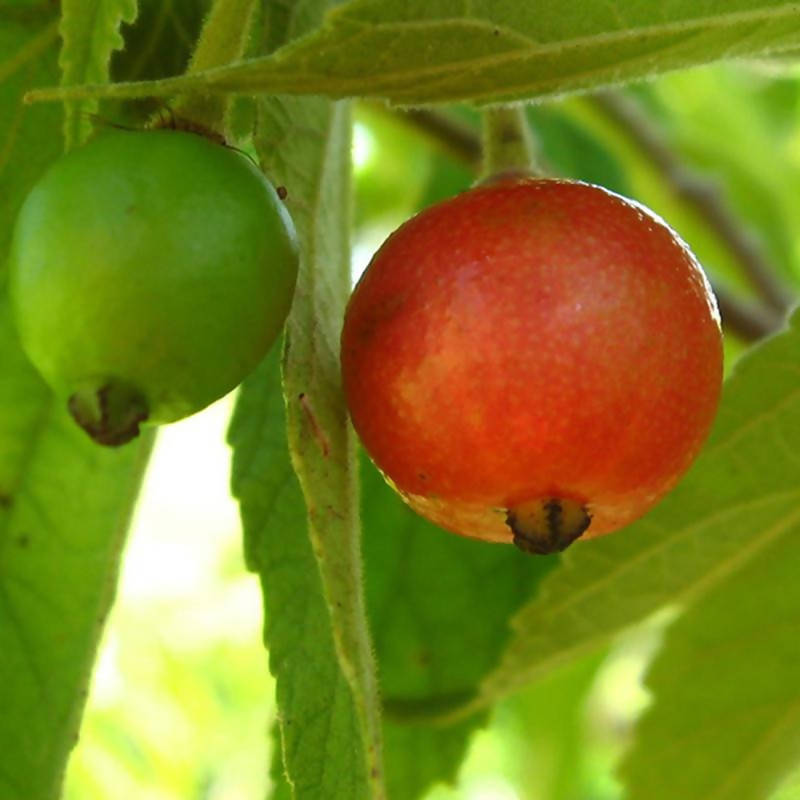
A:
x: 149, y: 274
x: 528, y: 342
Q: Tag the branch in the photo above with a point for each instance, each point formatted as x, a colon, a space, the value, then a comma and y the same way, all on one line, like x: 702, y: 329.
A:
x: 451, y: 134
x: 699, y: 193
x: 750, y: 320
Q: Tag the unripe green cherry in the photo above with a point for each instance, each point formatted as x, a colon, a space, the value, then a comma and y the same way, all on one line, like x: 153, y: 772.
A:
x: 149, y: 273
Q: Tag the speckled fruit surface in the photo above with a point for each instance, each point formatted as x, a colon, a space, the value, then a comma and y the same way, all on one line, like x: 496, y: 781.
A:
x: 531, y: 341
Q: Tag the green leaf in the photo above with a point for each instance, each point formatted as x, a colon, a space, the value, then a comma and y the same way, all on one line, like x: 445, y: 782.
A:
x: 323, y: 756
x: 425, y: 51
x: 546, y: 726
x: 725, y: 724
x: 89, y: 33
x: 435, y: 635
x: 64, y: 502
x: 313, y: 164
x: 304, y: 145
x: 790, y: 788
x: 436, y: 50
x: 64, y: 508
x: 740, y: 497
x: 287, y: 21
x: 27, y: 58
x: 281, y: 788
x: 419, y: 756
x: 160, y: 41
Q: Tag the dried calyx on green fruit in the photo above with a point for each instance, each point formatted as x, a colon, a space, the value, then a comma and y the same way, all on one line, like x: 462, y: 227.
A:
x: 150, y: 272
x: 533, y: 361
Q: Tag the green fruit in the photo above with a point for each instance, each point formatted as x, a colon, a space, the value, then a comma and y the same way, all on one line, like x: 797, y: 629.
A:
x: 149, y: 273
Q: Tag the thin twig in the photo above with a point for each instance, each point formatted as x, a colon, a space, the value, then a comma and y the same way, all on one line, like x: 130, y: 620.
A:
x: 700, y: 193
x: 455, y: 136
x: 749, y: 320
x: 459, y: 137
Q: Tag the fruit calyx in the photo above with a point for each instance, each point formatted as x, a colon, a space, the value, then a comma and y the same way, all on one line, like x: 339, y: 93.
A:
x: 547, y: 525
x: 110, y: 413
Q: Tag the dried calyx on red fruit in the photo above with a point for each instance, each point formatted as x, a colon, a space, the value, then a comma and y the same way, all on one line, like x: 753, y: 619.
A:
x: 532, y: 361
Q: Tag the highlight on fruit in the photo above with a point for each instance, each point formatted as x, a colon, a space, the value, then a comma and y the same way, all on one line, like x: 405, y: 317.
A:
x: 150, y: 272
x: 533, y: 361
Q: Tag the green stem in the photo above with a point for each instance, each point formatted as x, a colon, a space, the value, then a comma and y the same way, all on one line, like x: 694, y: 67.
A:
x: 508, y: 143
x: 223, y: 39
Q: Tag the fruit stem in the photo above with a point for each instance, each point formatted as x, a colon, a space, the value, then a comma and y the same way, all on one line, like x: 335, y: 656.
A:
x: 509, y: 146
x: 223, y: 39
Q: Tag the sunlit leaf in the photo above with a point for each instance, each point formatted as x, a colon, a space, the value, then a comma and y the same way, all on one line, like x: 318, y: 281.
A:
x: 546, y: 730
x: 725, y: 724
x: 64, y: 509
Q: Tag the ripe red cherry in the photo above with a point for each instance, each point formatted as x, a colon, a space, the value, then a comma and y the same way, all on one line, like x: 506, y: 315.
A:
x: 531, y: 360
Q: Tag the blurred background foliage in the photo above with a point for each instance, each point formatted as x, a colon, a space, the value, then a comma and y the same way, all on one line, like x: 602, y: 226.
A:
x: 179, y: 706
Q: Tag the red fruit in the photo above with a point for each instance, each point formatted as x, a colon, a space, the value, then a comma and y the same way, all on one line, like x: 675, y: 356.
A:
x: 531, y: 358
